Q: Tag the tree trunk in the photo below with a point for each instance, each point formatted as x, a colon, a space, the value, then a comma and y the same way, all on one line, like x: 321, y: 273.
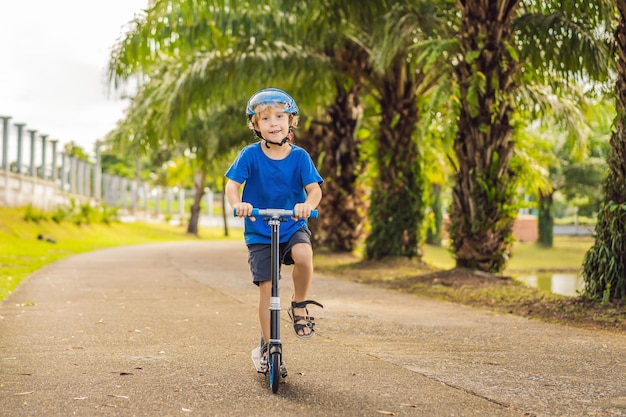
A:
x: 545, y: 219
x: 336, y: 152
x: 198, y: 185
x: 482, y: 211
x: 137, y: 182
x: 434, y: 231
x: 396, y: 205
x: 604, y: 266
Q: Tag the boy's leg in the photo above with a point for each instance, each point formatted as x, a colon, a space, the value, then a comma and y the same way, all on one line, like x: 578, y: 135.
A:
x: 302, y: 255
x: 259, y: 257
x: 265, y: 292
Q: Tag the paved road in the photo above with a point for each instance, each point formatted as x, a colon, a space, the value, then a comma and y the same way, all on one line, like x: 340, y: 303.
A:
x: 167, y: 330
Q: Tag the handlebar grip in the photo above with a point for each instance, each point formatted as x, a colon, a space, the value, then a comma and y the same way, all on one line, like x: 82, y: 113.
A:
x: 256, y: 212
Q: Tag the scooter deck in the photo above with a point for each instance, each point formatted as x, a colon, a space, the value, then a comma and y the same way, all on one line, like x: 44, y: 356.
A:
x: 256, y: 359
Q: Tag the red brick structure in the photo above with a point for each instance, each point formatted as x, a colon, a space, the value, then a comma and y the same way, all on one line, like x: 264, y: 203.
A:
x: 524, y: 229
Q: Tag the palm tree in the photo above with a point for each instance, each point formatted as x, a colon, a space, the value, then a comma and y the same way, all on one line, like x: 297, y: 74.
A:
x: 369, y: 42
x: 160, y: 46
x: 438, y: 132
x: 488, y: 74
x: 397, y: 86
x: 331, y: 140
x: 554, y: 159
x: 604, y: 265
x: 400, y: 85
x: 157, y: 120
x: 332, y: 136
x: 396, y: 207
x: 483, y: 193
x: 211, y: 45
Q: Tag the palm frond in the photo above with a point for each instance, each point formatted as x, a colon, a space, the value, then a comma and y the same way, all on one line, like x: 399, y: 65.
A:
x: 574, y: 42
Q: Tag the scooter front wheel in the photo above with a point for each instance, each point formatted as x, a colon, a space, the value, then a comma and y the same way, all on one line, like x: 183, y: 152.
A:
x: 274, y: 371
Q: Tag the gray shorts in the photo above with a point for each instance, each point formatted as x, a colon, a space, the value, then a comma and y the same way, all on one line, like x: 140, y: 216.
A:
x: 260, y: 255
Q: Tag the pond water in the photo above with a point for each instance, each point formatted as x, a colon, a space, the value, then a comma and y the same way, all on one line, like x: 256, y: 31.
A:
x: 564, y: 284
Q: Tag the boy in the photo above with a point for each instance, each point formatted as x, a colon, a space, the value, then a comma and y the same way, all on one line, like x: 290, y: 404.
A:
x: 277, y: 175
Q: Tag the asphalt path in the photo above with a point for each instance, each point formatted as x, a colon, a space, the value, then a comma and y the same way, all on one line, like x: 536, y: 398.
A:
x: 167, y: 330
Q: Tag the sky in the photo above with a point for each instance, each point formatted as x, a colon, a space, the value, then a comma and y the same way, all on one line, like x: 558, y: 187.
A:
x: 53, y: 60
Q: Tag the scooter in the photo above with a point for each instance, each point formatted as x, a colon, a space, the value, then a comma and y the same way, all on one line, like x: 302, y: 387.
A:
x: 274, y: 367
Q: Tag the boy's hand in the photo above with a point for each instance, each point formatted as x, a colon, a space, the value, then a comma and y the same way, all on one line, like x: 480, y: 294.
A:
x: 244, y: 210
x: 302, y: 211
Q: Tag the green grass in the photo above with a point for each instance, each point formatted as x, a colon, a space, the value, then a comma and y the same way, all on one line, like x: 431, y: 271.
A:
x: 566, y: 255
x: 22, y: 253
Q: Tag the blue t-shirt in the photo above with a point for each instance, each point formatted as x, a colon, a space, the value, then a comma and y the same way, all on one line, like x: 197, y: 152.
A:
x: 270, y: 183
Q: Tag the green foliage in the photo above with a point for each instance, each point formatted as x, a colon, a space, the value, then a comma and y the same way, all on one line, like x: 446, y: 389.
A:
x: 475, y: 92
x: 482, y: 236
x: 396, y: 210
x: 604, y: 265
x: 33, y: 215
x: 77, y: 214
x: 606, y: 295
x: 59, y: 214
x: 74, y: 150
x: 581, y: 220
x: 395, y: 232
x: 434, y: 217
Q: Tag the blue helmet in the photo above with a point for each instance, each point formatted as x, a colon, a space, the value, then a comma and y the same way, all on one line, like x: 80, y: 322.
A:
x: 271, y: 95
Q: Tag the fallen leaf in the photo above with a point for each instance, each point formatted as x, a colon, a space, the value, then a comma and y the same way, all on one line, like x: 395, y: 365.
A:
x: 80, y: 398
x: 119, y: 396
x: 408, y: 405
x: 24, y: 393
x: 109, y: 405
x: 122, y: 372
x: 187, y: 410
x: 387, y: 413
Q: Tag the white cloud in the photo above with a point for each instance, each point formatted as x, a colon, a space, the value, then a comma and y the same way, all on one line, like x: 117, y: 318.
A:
x: 53, y: 58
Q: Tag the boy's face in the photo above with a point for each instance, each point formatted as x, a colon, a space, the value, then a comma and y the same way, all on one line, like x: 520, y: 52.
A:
x: 273, y: 123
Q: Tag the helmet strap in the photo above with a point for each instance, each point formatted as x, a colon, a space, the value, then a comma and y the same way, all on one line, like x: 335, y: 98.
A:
x: 286, y: 139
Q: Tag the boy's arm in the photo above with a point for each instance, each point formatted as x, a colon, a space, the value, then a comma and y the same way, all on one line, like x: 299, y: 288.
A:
x: 234, y: 199
x: 313, y: 198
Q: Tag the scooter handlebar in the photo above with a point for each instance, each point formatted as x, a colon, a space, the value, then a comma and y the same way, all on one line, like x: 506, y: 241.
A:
x: 277, y: 212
